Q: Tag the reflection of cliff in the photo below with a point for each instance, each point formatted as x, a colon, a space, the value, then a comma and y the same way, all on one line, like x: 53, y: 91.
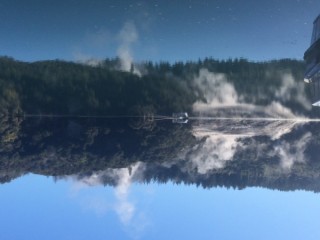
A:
x: 99, y: 148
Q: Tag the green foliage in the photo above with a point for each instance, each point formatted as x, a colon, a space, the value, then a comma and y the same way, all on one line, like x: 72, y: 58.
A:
x: 64, y: 147
x: 58, y: 87
x: 80, y: 147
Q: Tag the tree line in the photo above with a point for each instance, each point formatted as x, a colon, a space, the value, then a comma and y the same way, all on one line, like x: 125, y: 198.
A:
x: 60, y: 87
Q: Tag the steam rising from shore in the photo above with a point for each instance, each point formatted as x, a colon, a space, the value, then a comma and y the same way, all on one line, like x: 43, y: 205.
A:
x: 221, y: 94
x: 128, y: 36
x: 222, y: 141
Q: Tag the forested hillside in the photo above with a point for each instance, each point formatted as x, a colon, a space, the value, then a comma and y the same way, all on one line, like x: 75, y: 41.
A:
x: 83, y: 146
x: 59, y: 87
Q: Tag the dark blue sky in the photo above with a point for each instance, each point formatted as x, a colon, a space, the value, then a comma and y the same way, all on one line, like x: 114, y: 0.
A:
x: 156, y: 30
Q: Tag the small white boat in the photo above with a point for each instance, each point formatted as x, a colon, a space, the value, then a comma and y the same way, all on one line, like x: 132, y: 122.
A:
x: 181, y: 117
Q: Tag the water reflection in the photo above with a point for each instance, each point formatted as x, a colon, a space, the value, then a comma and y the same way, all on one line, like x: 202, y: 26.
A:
x: 231, y: 153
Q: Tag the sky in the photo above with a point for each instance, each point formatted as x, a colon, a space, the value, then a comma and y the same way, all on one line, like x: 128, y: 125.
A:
x: 36, y: 207
x: 156, y: 30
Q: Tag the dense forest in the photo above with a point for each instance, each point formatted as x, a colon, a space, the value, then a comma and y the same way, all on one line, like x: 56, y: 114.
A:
x: 59, y: 87
x: 83, y: 146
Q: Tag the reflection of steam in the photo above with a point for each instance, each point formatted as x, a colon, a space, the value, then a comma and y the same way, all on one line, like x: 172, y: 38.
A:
x: 293, y: 152
x: 244, y: 128
x: 127, y: 36
x: 224, y: 139
x: 125, y: 209
x: 214, y: 153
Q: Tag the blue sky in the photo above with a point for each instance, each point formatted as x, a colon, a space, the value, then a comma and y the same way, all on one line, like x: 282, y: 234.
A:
x: 165, y: 30
x: 36, y: 207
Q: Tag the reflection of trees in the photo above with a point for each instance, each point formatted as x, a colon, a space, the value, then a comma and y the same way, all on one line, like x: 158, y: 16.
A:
x: 59, y: 147
x: 74, y: 146
x: 85, y: 147
x: 252, y: 166
x: 9, y: 130
x: 10, y: 136
x: 146, y: 119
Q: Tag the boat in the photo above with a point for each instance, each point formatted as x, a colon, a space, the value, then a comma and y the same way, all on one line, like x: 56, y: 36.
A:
x: 181, y: 117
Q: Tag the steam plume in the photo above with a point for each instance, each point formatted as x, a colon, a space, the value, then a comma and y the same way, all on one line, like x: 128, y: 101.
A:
x: 127, y: 37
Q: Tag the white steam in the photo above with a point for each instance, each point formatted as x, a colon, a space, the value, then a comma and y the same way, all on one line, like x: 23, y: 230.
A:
x: 222, y: 95
x: 218, y: 92
x: 95, y: 43
x: 85, y: 59
x: 292, y: 90
x: 223, y: 138
x: 102, y: 41
x: 128, y: 36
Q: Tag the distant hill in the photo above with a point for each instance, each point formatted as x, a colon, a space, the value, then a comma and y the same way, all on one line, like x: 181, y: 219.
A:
x: 59, y: 87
